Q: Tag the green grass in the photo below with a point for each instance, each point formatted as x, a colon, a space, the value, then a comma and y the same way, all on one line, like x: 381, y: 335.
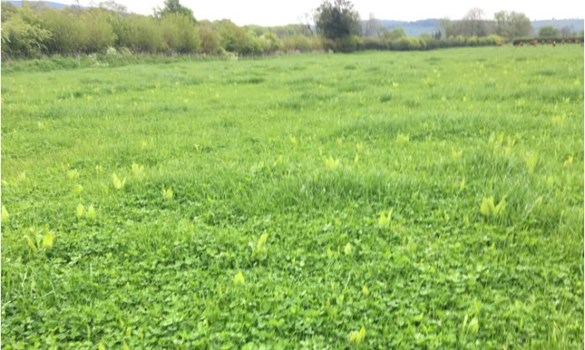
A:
x: 430, y: 199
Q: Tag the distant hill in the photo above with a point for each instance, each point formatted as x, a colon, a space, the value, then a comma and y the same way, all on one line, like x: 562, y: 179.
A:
x: 47, y: 4
x: 430, y: 26
x: 415, y: 28
x: 575, y: 25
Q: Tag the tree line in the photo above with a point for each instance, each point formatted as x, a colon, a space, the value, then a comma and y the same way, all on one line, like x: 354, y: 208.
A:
x: 339, y: 24
x: 33, y: 31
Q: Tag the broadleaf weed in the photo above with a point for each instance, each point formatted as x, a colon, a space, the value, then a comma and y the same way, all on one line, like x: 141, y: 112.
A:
x: 118, y: 184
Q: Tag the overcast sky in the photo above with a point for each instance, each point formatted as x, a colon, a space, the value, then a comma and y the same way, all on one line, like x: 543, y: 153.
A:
x: 273, y: 12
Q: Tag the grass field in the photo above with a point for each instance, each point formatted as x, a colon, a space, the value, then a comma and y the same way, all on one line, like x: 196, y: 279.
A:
x: 413, y: 200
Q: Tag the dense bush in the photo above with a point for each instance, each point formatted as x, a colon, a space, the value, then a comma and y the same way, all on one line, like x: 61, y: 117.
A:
x: 179, y: 35
x: 301, y: 43
x: 269, y: 43
x: 233, y: 38
x: 209, y: 39
x: 141, y: 34
x: 97, y: 32
x: 23, y: 34
x: 408, y: 44
x: 66, y: 31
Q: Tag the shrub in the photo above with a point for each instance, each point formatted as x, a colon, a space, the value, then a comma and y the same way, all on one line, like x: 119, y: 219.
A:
x: 209, y: 40
x: 270, y: 43
x: 178, y: 34
x: 97, y: 32
x: 407, y: 44
x: 23, y: 35
x: 302, y: 43
x: 141, y: 34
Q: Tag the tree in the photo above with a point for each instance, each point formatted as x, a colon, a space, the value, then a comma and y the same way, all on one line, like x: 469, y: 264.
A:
x: 174, y: 7
x: 305, y: 21
x: 512, y: 24
x: 337, y: 20
x: 566, y: 32
x: 502, y: 22
x: 446, y: 27
x: 473, y: 23
x: 548, y: 32
x: 373, y: 26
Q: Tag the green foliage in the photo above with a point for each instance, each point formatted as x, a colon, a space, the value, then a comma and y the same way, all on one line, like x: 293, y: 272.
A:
x: 548, y: 32
x: 141, y: 34
x: 427, y: 43
x: 345, y: 44
x: 5, y: 215
x: 178, y: 34
x: 97, y: 30
x: 68, y: 32
x: 473, y: 24
x: 8, y: 10
x: 357, y: 337
x: 393, y: 35
x: 512, y: 24
x: 30, y: 33
x: 23, y: 34
x: 259, y: 249
x: 209, y: 39
x: 117, y: 182
x: 239, y: 278
x: 407, y: 44
x: 338, y: 21
x: 269, y: 43
x: 174, y: 8
x: 110, y: 30
x: 488, y: 207
x: 301, y: 43
x: 236, y: 39
x: 304, y: 201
